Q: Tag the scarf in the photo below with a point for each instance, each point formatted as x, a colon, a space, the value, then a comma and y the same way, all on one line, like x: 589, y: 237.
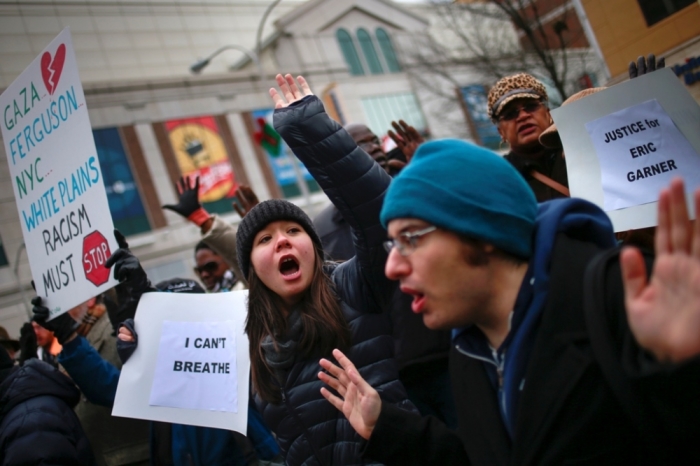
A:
x: 282, y: 358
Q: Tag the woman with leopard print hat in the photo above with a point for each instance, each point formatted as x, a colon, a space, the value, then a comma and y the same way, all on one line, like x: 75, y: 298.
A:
x: 518, y: 106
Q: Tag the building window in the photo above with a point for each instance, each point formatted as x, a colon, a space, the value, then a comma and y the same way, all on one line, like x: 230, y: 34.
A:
x: 387, y: 49
x: 291, y: 175
x: 382, y: 110
x: 347, y: 46
x: 363, y: 37
x: 476, y: 109
x: 125, y: 205
x: 656, y: 10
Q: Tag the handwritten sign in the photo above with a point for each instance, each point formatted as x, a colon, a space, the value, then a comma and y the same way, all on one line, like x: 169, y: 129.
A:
x: 625, y: 175
x: 191, y: 365
x: 196, y: 366
x: 640, y: 150
x: 57, y: 180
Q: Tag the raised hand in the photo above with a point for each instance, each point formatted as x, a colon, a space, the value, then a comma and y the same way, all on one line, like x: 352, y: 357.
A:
x: 127, y: 268
x: 360, y: 402
x: 127, y: 340
x: 63, y: 326
x: 664, y: 312
x: 188, y: 204
x: 246, y: 200
x: 291, y: 90
x: 27, y: 343
x: 643, y: 66
x: 407, y: 138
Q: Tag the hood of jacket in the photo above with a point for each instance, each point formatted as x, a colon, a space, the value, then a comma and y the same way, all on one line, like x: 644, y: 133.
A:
x: 35, y: 378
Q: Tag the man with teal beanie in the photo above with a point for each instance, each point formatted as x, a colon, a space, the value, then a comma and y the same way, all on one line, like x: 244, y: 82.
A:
x: 564, y: 350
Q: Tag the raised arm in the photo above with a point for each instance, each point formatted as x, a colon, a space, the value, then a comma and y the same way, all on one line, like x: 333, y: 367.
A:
x: 353, y: 181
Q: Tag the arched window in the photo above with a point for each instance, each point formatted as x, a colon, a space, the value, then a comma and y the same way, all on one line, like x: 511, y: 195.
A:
x: 349, y: 52
x: 388, y: 50
x: 375, y: 67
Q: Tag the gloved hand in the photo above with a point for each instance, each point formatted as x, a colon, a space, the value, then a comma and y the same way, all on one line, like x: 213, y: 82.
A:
x: 27, y: 343
x: 188, y: 205
x: 127, y: 268
x: 126, y: 348
x: 124, y: 308
x: 63, y: 326
x: 643, y: 67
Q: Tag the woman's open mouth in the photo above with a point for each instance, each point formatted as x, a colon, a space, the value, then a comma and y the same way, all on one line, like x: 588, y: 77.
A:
x: 289, y: 267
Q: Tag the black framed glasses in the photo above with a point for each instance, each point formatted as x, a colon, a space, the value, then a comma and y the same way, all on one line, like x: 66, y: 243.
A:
x: 209, y: 267
x: 512, y: 113
x: 407, y: 242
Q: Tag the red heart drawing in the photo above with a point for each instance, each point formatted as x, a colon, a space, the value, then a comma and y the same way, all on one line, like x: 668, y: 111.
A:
x: 51, y: 69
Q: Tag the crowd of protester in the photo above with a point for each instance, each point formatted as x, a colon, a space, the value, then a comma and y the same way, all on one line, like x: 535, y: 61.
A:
x: 450, y: 306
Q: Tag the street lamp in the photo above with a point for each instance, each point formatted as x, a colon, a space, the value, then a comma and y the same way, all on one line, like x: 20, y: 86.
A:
x: 198, y: 66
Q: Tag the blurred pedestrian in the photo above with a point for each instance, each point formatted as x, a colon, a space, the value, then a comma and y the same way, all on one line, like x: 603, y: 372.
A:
x: 10, y: 344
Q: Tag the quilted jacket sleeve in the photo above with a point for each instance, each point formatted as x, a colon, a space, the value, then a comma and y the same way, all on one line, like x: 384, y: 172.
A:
x: 354, y: 183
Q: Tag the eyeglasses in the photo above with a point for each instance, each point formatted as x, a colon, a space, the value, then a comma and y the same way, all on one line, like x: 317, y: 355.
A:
x: 513, y: 112
x: 209, y: 267
x: 407, y: 242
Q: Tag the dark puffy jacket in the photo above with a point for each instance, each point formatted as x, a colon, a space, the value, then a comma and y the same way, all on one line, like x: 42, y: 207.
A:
x: 37, y: 422
x: 310, y: 430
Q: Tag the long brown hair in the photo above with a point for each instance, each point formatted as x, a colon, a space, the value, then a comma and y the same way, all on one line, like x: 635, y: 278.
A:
x: 323, y: 325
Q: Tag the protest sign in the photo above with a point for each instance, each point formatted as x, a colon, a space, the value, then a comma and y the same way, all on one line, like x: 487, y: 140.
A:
x: 57, y: 180
x: 191, y: 365
x: 650, y: 125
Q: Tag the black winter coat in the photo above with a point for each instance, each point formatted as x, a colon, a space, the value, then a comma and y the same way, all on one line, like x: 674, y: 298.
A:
x: 309, y: 429
x: 37, y: 422
x: 551, y: 164
x: 583, y: 402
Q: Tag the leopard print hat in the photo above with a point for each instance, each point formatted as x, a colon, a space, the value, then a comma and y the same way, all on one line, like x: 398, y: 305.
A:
x: 518, y: 86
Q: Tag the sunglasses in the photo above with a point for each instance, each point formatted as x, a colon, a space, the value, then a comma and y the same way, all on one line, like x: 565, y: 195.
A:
x: 209, y: 267
x: 513, y: 112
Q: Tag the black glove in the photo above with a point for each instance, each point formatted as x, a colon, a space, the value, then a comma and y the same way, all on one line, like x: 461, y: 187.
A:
x: 127, y: 268
x: 643, y: 67
x: 189, y: 197
x: 124, y: 307
x: 63, y: 326
x: 27, y: 343
x: 126, y: 348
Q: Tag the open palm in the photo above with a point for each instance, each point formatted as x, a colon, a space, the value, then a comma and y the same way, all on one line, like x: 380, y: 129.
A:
x: 664, y: 312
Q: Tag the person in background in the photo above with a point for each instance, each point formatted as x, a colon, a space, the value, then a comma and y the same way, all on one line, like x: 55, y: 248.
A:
x: 214, y: 271
x: 37, y: 422
x: 10, y: 345
x: 519, y: 107
x: 47, y: 345
x: 116, y: 441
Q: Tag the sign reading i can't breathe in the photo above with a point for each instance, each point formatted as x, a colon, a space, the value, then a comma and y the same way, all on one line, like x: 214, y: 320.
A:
x: 640, y: 150
x: 196, y: 367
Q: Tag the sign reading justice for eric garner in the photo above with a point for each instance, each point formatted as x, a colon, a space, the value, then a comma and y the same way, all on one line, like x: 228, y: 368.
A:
x: 640, y: 150
x: 57, y: 180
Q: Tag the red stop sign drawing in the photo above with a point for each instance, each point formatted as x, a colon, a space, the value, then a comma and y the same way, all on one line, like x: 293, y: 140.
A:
x: 95, y: 254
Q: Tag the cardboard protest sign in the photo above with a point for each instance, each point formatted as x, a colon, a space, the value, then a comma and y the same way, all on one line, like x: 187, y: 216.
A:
x: 640, y: 150
x: 57, y: 180
x: 650, y: 124
x: 191, y: 365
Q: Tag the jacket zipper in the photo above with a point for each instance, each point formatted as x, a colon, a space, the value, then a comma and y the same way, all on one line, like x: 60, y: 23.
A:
x: 498, y: 363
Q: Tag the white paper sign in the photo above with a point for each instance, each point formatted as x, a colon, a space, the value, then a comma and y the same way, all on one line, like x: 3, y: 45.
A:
x: 162, y: 320
x: 640, y: 150
x: 585, y: 166
x: 57, y: 180
x: 196, y: 366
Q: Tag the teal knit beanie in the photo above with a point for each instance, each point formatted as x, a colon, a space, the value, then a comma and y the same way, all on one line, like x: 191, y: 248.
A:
x: 467, y: 190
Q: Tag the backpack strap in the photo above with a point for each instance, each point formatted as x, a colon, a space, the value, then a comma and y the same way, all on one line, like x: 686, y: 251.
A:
x: 544, y: 179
